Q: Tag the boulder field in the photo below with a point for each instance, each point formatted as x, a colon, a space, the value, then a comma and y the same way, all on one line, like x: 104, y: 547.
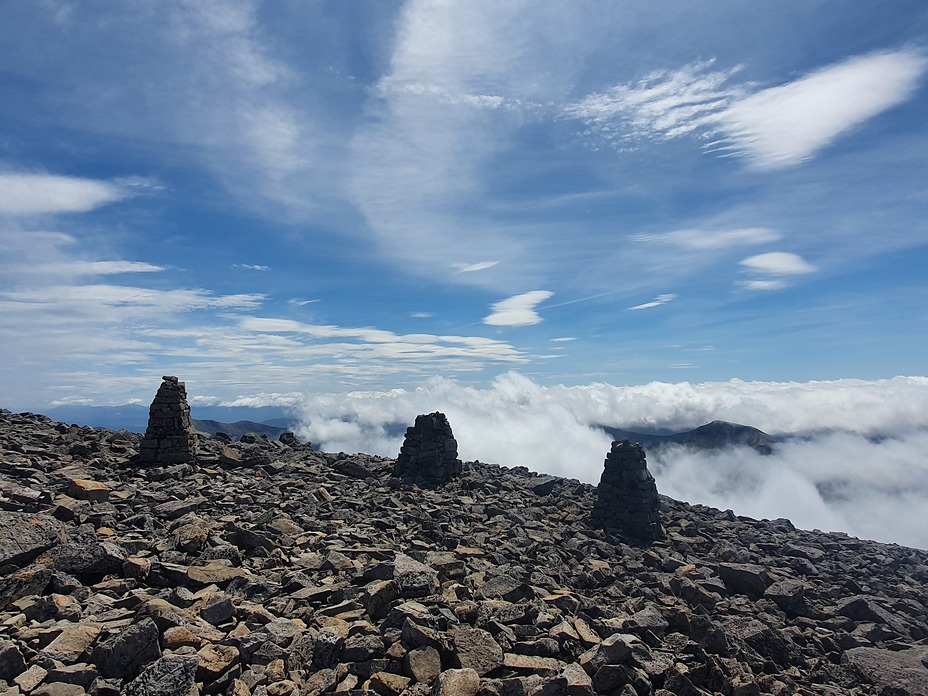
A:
x: 269, y: 568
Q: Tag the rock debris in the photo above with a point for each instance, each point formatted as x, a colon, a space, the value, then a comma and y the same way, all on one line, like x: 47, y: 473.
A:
x: 270, y: 569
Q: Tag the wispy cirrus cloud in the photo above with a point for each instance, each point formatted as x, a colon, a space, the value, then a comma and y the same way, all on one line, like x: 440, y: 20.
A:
x: 663, y: 104
x: 518, y: 310
x: 446, y: 107
x: 392, y: 85
x: 656, y: 302
x: 771, y: 127
x: 763, y: 285
x: 76, y: 268
x: 713, y: 240
x: 380, y: 343
x: 473, y: 267
x: 96, y: 299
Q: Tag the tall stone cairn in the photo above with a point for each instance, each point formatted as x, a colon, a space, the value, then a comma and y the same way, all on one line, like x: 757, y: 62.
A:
x: 170, y: 438
x: 626, y: 498
x: 430, y: 452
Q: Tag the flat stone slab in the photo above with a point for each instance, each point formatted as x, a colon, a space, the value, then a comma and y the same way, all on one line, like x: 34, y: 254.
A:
x: 904, y: 669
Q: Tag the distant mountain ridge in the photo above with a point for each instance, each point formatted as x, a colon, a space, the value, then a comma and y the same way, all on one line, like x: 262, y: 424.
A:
x: 134, y: 417
x: 715, y: 435
x: 239, y: 428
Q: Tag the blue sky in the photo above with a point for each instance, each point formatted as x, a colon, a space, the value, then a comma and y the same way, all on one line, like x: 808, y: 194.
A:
x: 336, y: 196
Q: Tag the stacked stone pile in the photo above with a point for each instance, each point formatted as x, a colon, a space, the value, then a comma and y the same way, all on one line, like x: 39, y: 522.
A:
x: 272, y: 570
x: 170, y: 437
x: 627, y: 498
x: 430, y: 452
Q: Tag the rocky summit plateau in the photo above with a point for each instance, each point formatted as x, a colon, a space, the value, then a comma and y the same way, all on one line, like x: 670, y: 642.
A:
x: 268, y: 568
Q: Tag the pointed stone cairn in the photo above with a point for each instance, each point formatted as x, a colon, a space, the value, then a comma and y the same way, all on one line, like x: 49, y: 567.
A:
x: 430, y: 452
x: 626, y: 498
x: 170, y: 438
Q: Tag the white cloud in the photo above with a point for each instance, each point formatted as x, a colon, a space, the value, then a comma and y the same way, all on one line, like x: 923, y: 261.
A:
x: 380, y: 344
x: 788, y: 124
x: 214, y: 86
x: 656, y: 302
x: 391, y: 86
x: 712, y: 240
x: 421, y: 315
x: 251, y: 267
x: 38, y: 194
x: 778, y: 263
x: 203, y: 400
x: 664, y: 104
x: 563, y: 339
x: 891, y: 407
x: 359, y: 422
x: 518, y: 310
x: 884, y: 482
x: 448, y: 105
x: 301, y: 303
x: 834, y: 482
x: 288, y: 399
x: 763, y: 285
x: 98, y: 300
x: 774, y: 127
x: 473, y: 267
x: 91, y: 268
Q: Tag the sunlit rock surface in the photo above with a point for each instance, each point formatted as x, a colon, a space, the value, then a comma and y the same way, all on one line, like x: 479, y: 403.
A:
x: 265, y: 567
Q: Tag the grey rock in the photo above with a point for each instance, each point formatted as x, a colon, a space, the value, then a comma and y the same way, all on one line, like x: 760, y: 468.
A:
x: 123, y: 655
x: 172, y: 675
x: 344, y: 582
x: 896, y: 672
x: 457, y: 682
x: 24, y: 536
x: 59, y: 689
x: 413, y: 579
x: 12, y: 663
x: 745, y: 578
x: 29, y: 581
x: 422, y: 664
x: 476, y: 649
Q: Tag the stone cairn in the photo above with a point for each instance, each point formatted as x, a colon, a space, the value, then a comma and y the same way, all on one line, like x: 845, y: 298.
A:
x: 170, y: 438
x: 627, y: 495
x: 430, y: 452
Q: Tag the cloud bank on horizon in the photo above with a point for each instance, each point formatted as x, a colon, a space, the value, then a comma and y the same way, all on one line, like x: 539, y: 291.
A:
x: 858, y: 465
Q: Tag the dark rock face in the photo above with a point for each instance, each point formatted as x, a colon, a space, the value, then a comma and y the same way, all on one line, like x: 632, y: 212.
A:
x: 170, y: 438
x: 23, y: 536
x: 430, y: 452
x: 627, y: 497
x: 271, y: 570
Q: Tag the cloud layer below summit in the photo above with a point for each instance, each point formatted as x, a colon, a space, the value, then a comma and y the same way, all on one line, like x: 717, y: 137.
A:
x: 859, y: 468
